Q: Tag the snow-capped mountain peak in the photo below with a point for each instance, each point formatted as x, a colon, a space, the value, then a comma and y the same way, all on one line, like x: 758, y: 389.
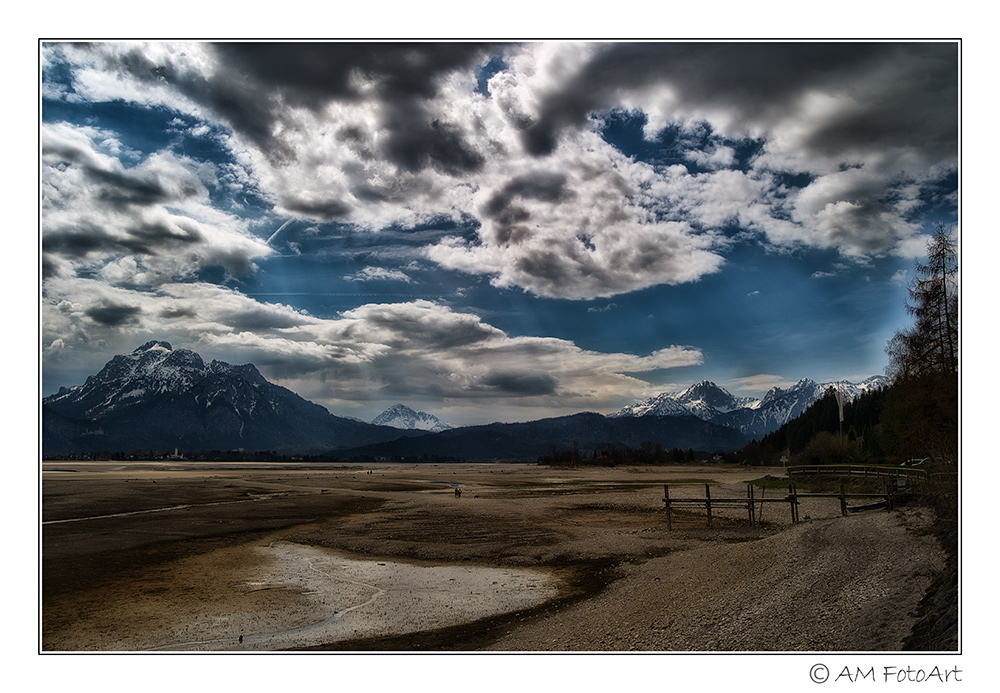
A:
x: 703, y: 399
x: 754, y: 417
x: 663, y: 404
x: 401, y: 416
x: 148, y: 371
x: 708, y: 397
x: 161, y: 397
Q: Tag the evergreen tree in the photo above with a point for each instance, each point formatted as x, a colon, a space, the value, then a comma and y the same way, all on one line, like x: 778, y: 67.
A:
x: 931, y: 345
x: 921, y: 416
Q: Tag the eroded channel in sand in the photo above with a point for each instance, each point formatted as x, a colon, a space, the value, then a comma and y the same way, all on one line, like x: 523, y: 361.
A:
x: 343, y: 598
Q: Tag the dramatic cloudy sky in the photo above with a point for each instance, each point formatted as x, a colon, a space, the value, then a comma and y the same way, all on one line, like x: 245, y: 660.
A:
x: 492, y: 232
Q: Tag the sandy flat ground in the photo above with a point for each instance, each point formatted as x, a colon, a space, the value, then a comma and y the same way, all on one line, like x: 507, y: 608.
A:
x: 185, y: 556
x: 344, y: 598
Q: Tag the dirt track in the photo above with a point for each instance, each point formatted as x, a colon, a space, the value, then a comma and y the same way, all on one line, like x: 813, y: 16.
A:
x: 144, y: 556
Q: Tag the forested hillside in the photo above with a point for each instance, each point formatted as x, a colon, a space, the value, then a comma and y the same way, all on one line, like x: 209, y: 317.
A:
x: 818, y: 435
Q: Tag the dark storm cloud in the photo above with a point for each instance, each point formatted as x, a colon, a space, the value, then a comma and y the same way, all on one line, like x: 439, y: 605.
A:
x: 406, y: 74
x: 113, y: 315
x: 510, y: 219
x: 158, y: 236
x: 51, y: 267
x: 310, y: 73
x: 231, y: 94
x: 541, y: 185
x: 409, y: 327
x: 80, y: 240
x: 418, y: 141
x: 83, y: 239
x: 914, y: 102
x: 909, y: 90
x: 120, y: 189
x: 254, y: 82
x: 548, y: 267
x: 173, y: 313
x: 521, y: 383
x: 323, y: 208
x: 262, y: 318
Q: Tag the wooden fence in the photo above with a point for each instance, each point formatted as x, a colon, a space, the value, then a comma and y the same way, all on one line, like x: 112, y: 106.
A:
x: 865, y: 470
x: 887, y: 499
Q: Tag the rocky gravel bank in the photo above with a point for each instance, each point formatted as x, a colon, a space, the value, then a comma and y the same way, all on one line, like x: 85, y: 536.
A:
x: 836, y: 584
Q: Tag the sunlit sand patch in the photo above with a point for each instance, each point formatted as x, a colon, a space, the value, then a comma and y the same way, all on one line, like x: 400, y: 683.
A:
x: 341, y: 598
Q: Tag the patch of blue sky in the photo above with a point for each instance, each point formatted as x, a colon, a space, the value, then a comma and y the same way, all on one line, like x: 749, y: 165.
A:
x: 145, y: 130
x: 763, y: 309
x: 673, y: 144
x: 939, y: 201
x: 326, y: 284
x: 494, y: 65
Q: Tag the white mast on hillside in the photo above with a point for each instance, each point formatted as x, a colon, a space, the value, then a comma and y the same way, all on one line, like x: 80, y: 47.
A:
x: 840, y: 407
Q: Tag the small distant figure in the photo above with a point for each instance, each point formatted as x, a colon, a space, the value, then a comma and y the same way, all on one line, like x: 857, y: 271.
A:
x: 458, y: 492
x: 241, y: 638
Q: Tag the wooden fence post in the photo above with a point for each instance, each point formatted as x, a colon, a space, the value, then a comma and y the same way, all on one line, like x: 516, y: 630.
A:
x: 708, y: 505
x: 666, y: 499
x: 793, y: 503
x: 843, y: 502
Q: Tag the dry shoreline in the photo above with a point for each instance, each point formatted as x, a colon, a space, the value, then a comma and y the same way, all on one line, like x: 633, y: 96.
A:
x: 175, y: 556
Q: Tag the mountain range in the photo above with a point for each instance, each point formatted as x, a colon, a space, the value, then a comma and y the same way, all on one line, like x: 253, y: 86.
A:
x: 158, y: 397
x: 754, y: 418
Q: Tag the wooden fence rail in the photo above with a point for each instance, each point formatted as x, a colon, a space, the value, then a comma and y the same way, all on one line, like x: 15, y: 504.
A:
x: 866, y: 470
x: 885, y: 499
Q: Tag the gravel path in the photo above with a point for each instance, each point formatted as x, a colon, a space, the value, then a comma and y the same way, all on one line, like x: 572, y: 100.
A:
x: 837, y: 584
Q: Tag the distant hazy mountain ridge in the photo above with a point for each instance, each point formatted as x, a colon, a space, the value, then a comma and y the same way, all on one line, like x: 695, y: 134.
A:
x: 587, y: 431
x: 753, y: 417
